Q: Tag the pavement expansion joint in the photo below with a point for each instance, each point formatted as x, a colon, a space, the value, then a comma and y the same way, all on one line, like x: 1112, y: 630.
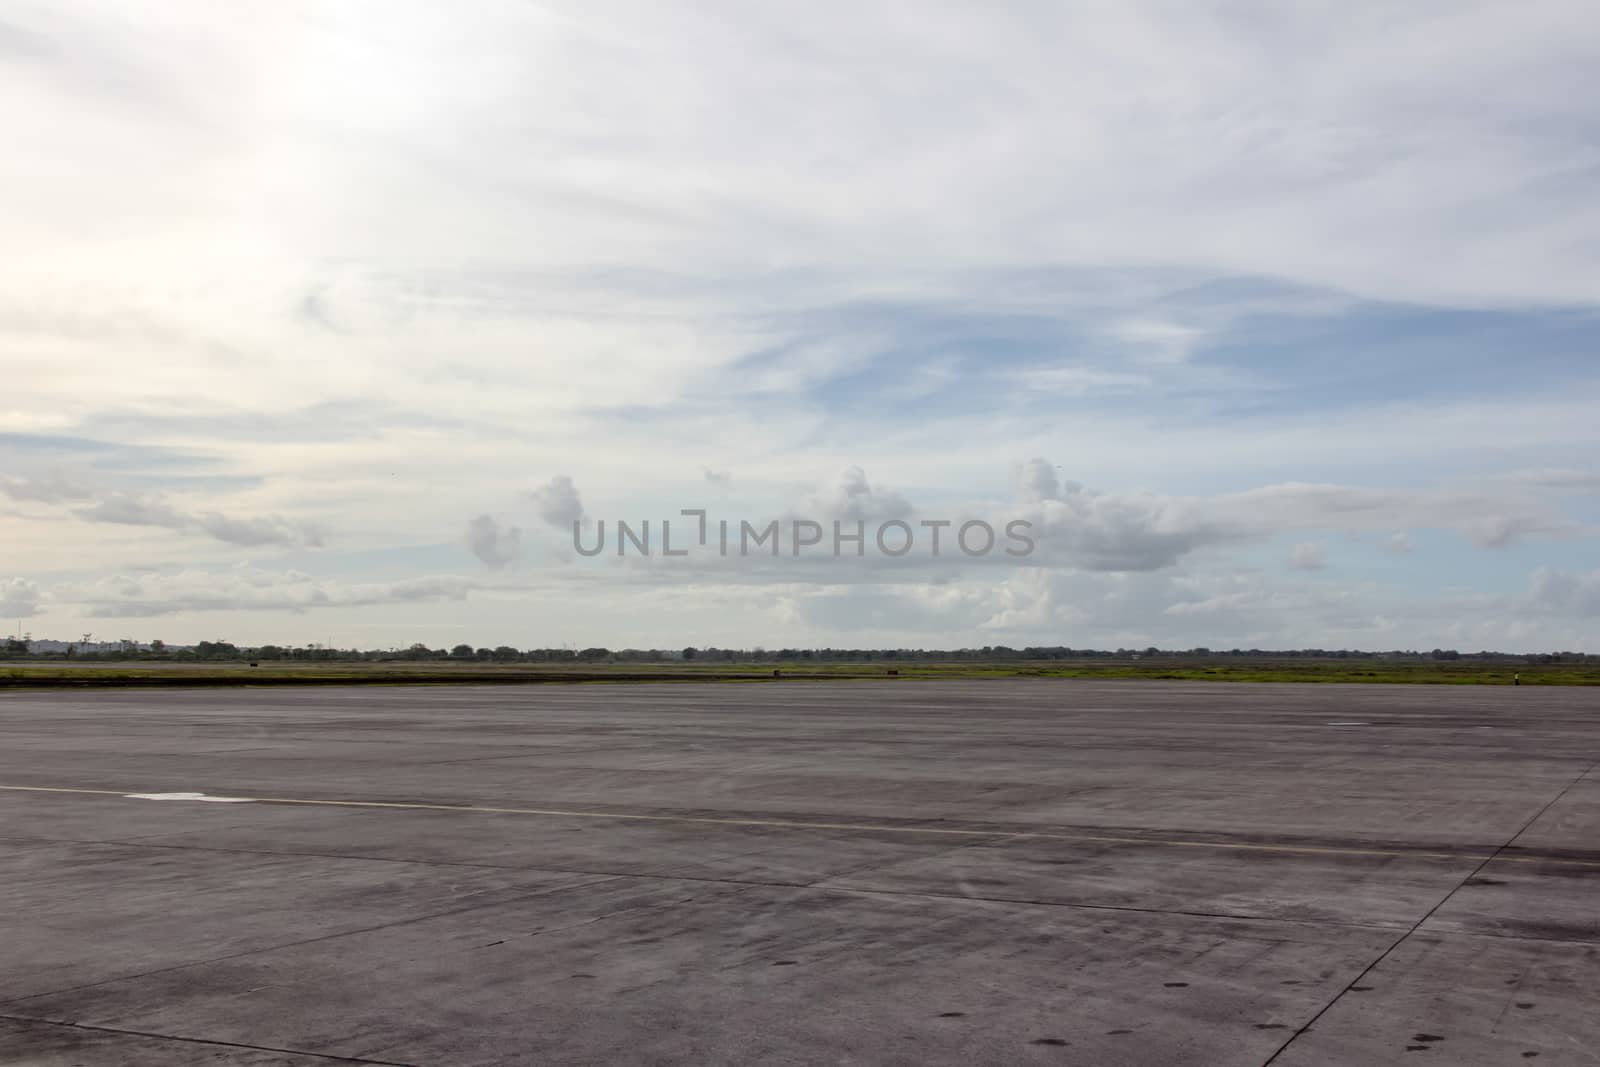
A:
x: 1309, y: 1023
x: 38, y: 1021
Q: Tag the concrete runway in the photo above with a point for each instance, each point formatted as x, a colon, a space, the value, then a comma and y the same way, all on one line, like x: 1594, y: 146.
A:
x: 1007, y: 872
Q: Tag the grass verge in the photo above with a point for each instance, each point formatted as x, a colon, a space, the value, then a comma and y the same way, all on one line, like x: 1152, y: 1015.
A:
x: 93, y: 675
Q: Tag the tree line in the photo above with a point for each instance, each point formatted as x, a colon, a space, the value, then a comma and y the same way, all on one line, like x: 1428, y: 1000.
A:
x: 420, y: 652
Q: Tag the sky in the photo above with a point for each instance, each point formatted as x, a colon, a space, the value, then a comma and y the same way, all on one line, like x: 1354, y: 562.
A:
x: 1276, y: 325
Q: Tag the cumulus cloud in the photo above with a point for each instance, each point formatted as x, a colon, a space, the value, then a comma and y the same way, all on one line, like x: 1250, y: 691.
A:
x: 1097, y: 610
x: 19, y: 598
x: 1076, y: 527
x: 1112, y: 532
x: 1143, y: 531
x: 495, y: 545
x: 557, y: 502
x: 1574, y: 593
x: 1037, y: 480
x: 855, y: 498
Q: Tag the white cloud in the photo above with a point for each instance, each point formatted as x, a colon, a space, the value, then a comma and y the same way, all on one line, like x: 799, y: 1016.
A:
x: 1492, y: 516
x: 1117, y: 532
x: 247, y: 589
x: 135, y: 509
x: 1156, y: 342
x: 1037, y: 481
x: 254, y: 532
x: 51, y: 490
x: 1146, y: 531
x: 494, y: 545
x: 1076, y: 527
x: 19, y: 598
x: 854, y: 498
x: 121, y: 508
x: 557, y: 502
x: 1562, y: 592
x: 128, y: 509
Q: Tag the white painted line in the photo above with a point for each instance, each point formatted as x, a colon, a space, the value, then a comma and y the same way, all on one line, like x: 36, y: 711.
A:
x: 793, y: 824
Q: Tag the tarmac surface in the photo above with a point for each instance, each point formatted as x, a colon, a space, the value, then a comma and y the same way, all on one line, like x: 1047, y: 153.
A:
x: 894, y: 872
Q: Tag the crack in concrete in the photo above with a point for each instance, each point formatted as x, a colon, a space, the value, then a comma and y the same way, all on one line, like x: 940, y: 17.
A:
x: 1430, y: 913
x: 201, y: 1041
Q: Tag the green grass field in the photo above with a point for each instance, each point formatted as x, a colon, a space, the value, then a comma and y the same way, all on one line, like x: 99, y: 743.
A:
x: 60, y: 675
